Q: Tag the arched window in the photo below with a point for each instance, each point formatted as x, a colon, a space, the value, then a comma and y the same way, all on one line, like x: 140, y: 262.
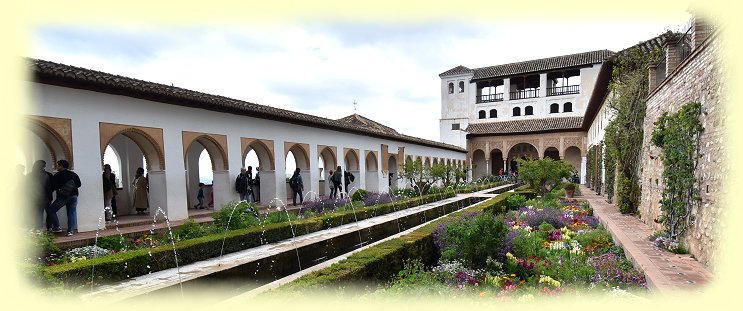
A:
x: 482, y: 114
x: 567, y: 107
x: 554, y: 108
x: 451, y: 88
x: 461, y: 86
x: 516, y: 111
x: 528, y: 111
x: 493, y: 113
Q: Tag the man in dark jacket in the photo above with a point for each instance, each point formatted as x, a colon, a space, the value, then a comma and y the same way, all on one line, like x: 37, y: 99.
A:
x: 66, y: 183
x: 336, y: 180
x: 347, y: 179
x: 41, y: 193
x: 241, y: 184
x: 297, y: 186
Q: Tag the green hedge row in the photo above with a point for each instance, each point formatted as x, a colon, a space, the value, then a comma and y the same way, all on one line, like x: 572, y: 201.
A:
x: 381, y: 262
x: 139, y: 262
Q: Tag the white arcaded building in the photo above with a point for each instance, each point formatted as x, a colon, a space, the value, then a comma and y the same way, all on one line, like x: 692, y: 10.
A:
x: 533, y: 108
x: 77, y: 113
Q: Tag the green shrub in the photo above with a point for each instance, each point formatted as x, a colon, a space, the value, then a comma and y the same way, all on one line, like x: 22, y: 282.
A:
x: 114, y: 242
x: 473, y: 240
x: 598, y: 238
x: 189, y: 230
x: 237, y: 215
x: 526, y: 244
x: 359, y: 195
x: 44, y: 243
x: 516, y: 201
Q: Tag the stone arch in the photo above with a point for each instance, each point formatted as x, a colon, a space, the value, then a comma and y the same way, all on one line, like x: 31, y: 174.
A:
x: 496, y: 161
x: 552, y: 153
x: 263, y: 150
x: 149, y: 141
x: 479, y: 165
x: 301, y: 154
x: 519, y: 151
x: 435, y: 161
x: 351, y: 159
x: 215, y: 145
x: 392, y: 173
x: 328, y: 156
x: 448, y: 161
x: 56, y: 135
x: 371, y: 161
x: 427, y: 163
x: 573, y: 157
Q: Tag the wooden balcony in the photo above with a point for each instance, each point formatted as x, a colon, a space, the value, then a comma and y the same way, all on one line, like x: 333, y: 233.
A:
x: 563, y: 90
x: 489, y: 98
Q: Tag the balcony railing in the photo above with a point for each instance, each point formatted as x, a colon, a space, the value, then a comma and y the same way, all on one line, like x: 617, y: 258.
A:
x: 563, y: 90
x: 521, y: 94
x: 490, y: 98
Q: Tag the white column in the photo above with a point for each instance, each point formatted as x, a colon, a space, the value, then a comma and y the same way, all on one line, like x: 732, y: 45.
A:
x: 279, y: 181
x: 507, y: 89
x: 583, y: 170
x: 313, y: 182
x: 222, y: 188
x: 543, y: 85
x: 158, y: 197
x: 87, y: 166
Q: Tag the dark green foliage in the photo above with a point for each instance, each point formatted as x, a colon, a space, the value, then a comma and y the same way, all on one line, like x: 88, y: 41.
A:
x: 473, y: 240
x: 44, y: 243
x: 544, y: 174
x: 516, y: 201
x: 189, y: 230
x: 624, y: 134
x: 678, y: 135
x: 114, y: 242
x: 359, y: 195
x: 597, y: 238
x: 236, y: 215
x: 526, y: 245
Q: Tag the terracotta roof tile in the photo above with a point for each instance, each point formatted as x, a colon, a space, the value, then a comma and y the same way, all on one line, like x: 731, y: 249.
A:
x: 455, y: 71
x: 543, y: 64
x: 75, y: 77
x: 526, y: 126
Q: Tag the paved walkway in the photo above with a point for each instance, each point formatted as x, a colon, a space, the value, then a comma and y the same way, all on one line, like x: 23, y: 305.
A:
x: 665, y: 272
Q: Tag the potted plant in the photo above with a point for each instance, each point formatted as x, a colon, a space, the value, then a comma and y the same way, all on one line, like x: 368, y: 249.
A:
x: 569, y: 190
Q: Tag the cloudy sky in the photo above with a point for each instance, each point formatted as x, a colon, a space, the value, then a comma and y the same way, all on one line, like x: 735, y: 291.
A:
x: 390, y: 69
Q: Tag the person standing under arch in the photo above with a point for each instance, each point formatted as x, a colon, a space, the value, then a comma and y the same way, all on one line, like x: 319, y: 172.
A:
x: 109, y: 191
x: 295, y: 182
x: 336, y: 180
x: 241, y: 184
x: 66, y: 183
x: 41, y: 191
x: 141, y: 200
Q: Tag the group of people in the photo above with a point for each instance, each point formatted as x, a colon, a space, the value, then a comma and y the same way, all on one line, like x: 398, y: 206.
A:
x: 335, y: 182
x: 51, y: 192
x: 245, y: 184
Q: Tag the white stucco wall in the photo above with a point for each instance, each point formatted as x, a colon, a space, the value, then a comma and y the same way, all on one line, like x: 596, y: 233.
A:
x: 168, y: 188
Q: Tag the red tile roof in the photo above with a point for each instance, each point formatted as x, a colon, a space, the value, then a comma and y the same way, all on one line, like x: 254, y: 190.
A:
x: 526, y: 126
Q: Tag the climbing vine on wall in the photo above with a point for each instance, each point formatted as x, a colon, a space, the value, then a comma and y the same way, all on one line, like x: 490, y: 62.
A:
x: 678, y: 135
x: 593, y: 167
x: 610, y: 166
x: 624, y: 134
x: 590, y: 159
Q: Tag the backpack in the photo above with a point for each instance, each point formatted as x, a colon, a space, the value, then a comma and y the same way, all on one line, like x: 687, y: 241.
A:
x: 293, y: 182
x: 351, y: 177
x: 67, y: 189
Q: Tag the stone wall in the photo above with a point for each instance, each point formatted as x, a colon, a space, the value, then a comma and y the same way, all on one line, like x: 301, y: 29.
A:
x: 698, y: 79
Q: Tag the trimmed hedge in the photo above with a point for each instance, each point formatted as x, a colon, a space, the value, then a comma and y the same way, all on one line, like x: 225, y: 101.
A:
x: 381, y: 262
x: 134, y: 263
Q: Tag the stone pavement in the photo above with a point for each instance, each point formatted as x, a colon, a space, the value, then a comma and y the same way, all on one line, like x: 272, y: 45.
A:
x: 665, y: 272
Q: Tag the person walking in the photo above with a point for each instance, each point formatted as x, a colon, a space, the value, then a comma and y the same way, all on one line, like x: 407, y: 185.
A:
x: 250, y: 195
x: 336, y: 180
x: 109, y: 191
x: 330, y: 184
x: 257, y: 185
x: 41, y: 192
x: 66, y: 183
x: 141, y: 200
x: 200, y: 197
x: 241, y: 184
x: 295, y: 182
x: 348, y: 178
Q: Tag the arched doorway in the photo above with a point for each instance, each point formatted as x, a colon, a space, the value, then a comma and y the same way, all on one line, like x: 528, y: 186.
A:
x: 202, y: 155
x: 297, y: 156
x: 479, y: 166
x: 372, y: 172
x: 496, y: 162
x: 552, y: 153
x: 351, y: 159
x: 573, y: 157
x: 259, y: 154
x: 521, y: 151
x: 392, y: 173
x: 327, y: 159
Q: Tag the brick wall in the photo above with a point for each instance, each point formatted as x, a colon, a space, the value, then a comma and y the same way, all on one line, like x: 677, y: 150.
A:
x: 698, y: 78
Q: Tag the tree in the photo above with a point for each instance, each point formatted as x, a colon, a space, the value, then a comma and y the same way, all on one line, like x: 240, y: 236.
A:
x: 543, y: 174
x: 420, y: 177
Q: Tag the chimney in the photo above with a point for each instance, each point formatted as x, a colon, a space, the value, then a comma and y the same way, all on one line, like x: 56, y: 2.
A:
x: 652, y: 77
x: 673, y: 55
x: 701, y: 30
